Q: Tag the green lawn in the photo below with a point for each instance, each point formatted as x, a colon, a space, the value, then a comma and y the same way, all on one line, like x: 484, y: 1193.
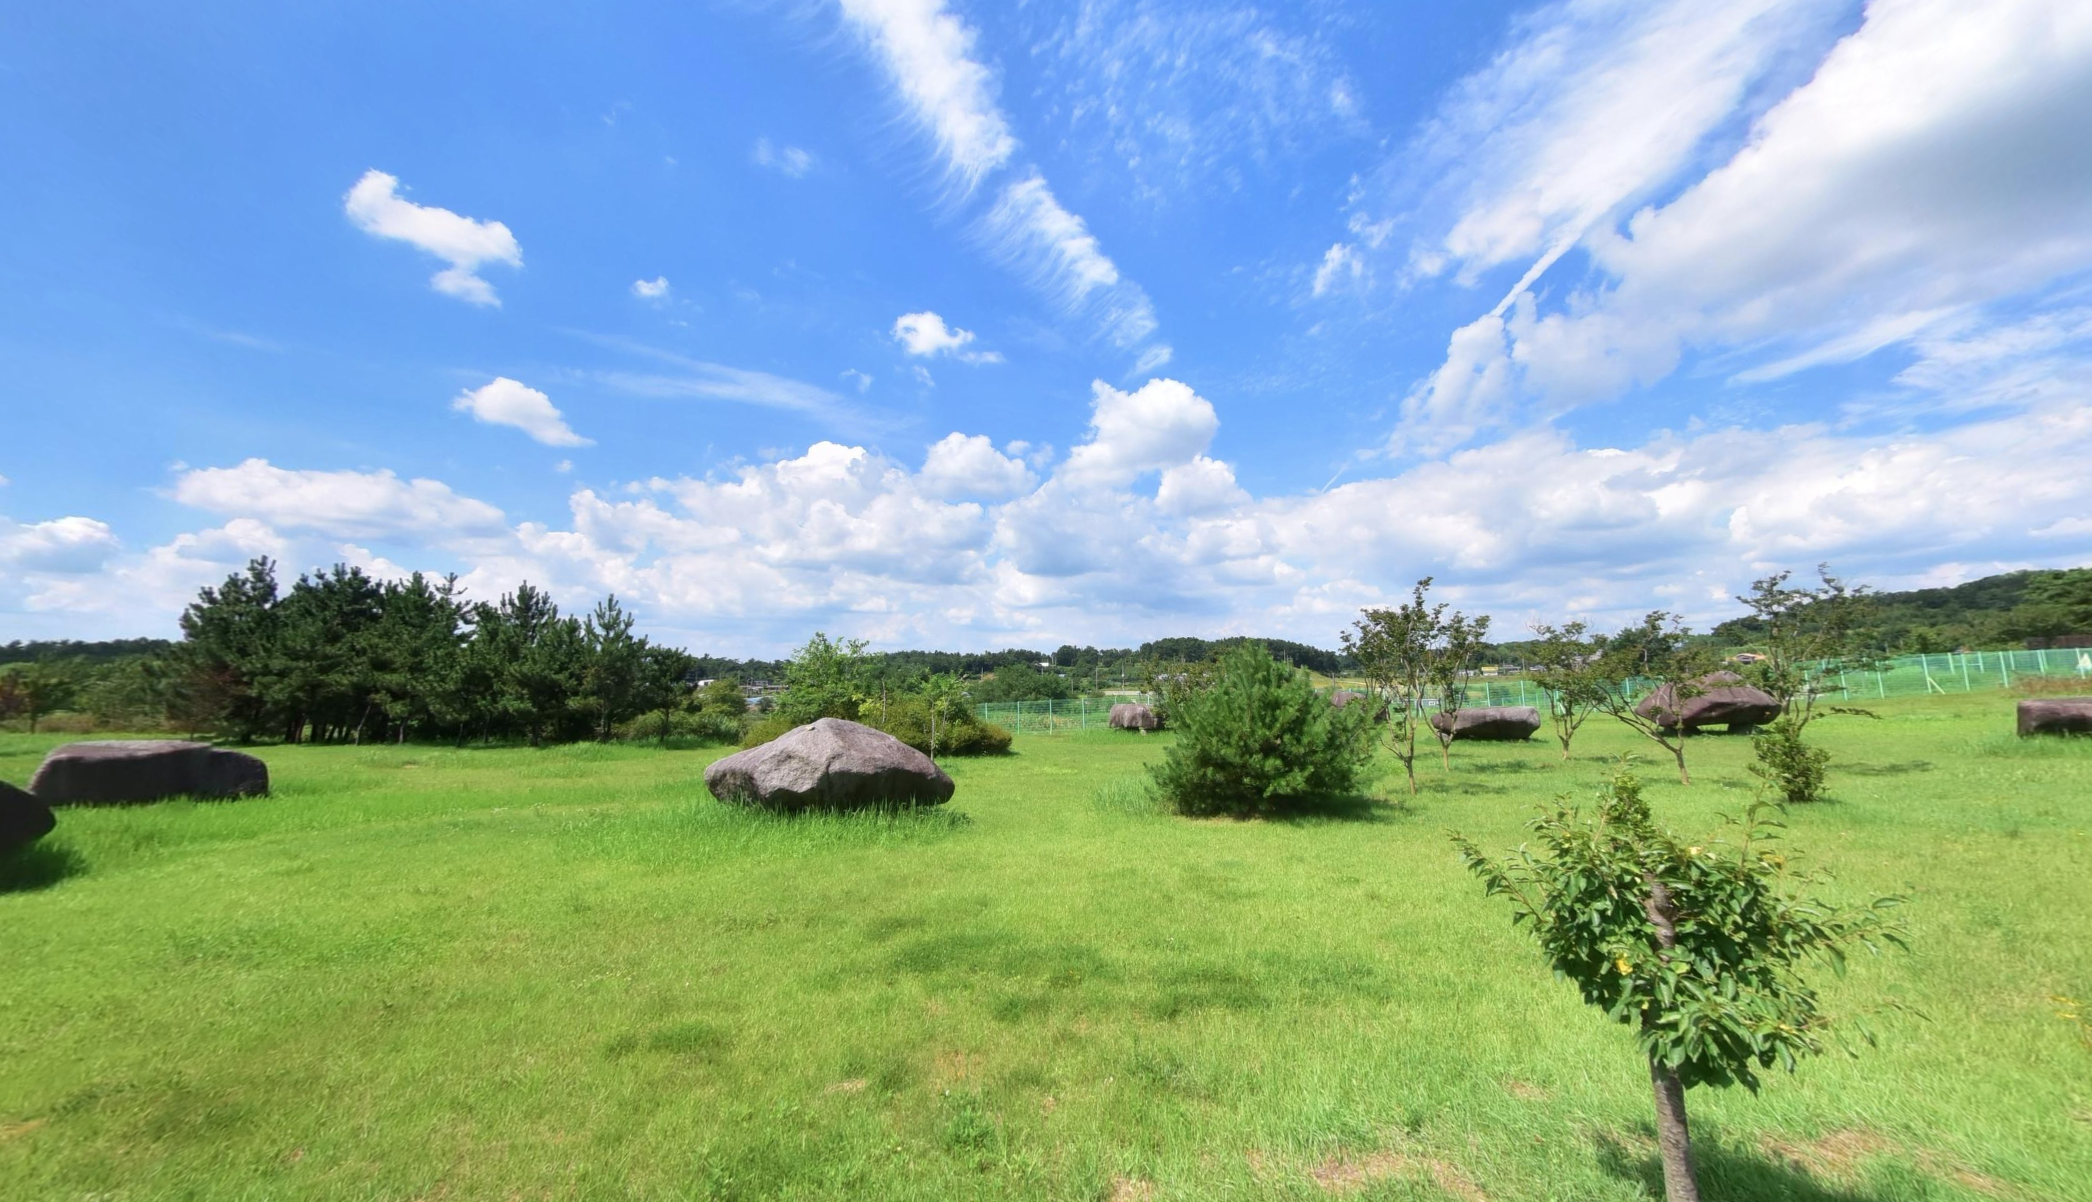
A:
x: 425, y: 973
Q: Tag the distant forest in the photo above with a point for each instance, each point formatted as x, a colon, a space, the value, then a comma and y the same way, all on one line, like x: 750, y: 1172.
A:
x: 1995, y: 611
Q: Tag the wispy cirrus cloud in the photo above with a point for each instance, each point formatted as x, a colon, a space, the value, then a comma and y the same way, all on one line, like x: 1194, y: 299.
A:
x: 928, y: 53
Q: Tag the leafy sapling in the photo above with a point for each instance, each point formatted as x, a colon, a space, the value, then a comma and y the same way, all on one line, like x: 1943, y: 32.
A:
x: 1809, y: 637
x: 1566, y: 669
x: 1656, y: 656
x: 1700, y: 947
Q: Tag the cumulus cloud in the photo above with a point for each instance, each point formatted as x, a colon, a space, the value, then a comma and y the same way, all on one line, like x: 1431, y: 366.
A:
x: 1928, y: 169
x: 506, y: 402
x: 1159, y: 425
x: 960, y: 465
x: 339, y: 504
x: 63, y: 545
x: 377, y: 208
x: 788, y: 161
x: 654, y: 289
x: 925, y: 334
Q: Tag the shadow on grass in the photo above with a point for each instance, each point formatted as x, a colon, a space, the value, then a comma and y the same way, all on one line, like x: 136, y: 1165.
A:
x: 1343, y: 807
x: 1730, y: 1174
x: 39, y: 866
x: 1899, y: 768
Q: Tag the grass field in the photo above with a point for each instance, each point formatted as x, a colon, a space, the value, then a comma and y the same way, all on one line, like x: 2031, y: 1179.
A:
x: 425, y: 973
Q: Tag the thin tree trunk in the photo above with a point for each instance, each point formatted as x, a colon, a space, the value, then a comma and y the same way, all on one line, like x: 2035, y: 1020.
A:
x: 1673, y: 1139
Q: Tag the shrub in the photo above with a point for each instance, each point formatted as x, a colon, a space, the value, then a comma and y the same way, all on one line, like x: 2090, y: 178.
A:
x: 1783, y: 760
x: 704, y: 726
x: 962, y: 733
x: 1258, y: 736
x: 766, y: 728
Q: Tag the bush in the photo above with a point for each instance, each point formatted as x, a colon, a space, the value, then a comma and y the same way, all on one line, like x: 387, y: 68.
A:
x: 1257, y: 736
x: 704, y: 726
x: 908, y: 719
x: 1781, y: 759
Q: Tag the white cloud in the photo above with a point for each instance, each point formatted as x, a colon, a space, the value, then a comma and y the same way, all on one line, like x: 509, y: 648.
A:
x: 654, y: 289
x: 928, y: 53
x: 925, y: 334
x: 862, y: 381
x: 1160, y: 425
x: 506, y: 402
x: 1341, y: 265
x: 789, y: 161
x: 1028, y: 228
x: 67, y: 545
x: 959, y: 465
x: 1911, y: 181
x: 340, y: 504
x: 377, y: 208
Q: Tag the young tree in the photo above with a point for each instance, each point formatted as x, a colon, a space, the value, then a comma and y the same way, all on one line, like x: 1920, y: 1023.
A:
x: 1810, y: 636
x: 1657, y: 654
x: 40, y: 688
x: 1411, y: 656
x: 1258, y: 736
x: 663, y: 687
x: 824, y: 679
x: 229, y: 637
x: 615, y: 661
x: 1460, y: 637
x: 945, y: 696
x: 1565, y: 666
x: 1700, y: 947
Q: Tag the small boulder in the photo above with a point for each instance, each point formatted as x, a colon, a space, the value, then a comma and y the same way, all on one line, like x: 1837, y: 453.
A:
x: 830, y: 764
x: 1128, y: 716
x: 1490, y: 723
x: 2056, y: 716
x: 1723, y: 699
x: 24, y: 818
x: 134, y: 770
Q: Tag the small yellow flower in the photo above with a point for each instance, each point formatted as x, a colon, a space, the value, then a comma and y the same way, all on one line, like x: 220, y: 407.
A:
x: 1620, y: 962
x: 1692, y: 851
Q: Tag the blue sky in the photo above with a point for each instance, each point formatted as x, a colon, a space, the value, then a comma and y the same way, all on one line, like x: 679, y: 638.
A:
x: 964, y: 325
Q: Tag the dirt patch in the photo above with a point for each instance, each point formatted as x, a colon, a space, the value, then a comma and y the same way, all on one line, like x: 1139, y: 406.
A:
x: 1526, y: 1091
x: 955, y: 1068
x: 1837, y: 1154
x: 1344, y: 1175
x: 1131, y: 1189
x: 17, y: 1130
x: 853, y: 1085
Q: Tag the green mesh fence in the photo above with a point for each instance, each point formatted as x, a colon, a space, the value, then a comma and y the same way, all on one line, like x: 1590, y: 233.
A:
x: 1904, y: 676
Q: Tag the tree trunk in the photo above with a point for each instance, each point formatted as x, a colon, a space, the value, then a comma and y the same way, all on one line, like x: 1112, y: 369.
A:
x: 1675, y: 1143
x: 1673, y: 1140
x: 1678, y: 752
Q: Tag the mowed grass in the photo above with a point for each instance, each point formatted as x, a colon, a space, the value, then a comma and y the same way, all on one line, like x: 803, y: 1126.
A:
x: 416, y: 972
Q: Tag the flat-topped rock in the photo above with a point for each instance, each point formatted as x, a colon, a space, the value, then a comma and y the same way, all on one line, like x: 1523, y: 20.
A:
x: 829, y: 764
x: 1722, y: 699
x: 2056, y: 716
x: 1490, y: 723
x: 1128, y: 716
x: 119, y: 771
x: 24, y: 818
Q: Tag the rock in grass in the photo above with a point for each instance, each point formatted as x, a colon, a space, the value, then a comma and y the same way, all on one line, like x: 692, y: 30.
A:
x: 1490, y: 723
x: 2056, y: 716
x: 1722, y: 700
x: 133, y: 770
x: 1128, y: 716
x: 23, y: 818
x: 829, y: 764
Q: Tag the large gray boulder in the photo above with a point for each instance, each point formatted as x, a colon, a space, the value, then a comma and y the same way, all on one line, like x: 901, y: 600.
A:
x: 2056, y: 716
x: 829, y: 764
x: 23, y: 818
x: 1490, y: 723
x: 133, y: 770
x: 1721, y: 699
x: 1128, y: 716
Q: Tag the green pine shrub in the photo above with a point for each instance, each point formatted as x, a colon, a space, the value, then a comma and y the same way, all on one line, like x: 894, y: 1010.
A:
x: 1256, y: 736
